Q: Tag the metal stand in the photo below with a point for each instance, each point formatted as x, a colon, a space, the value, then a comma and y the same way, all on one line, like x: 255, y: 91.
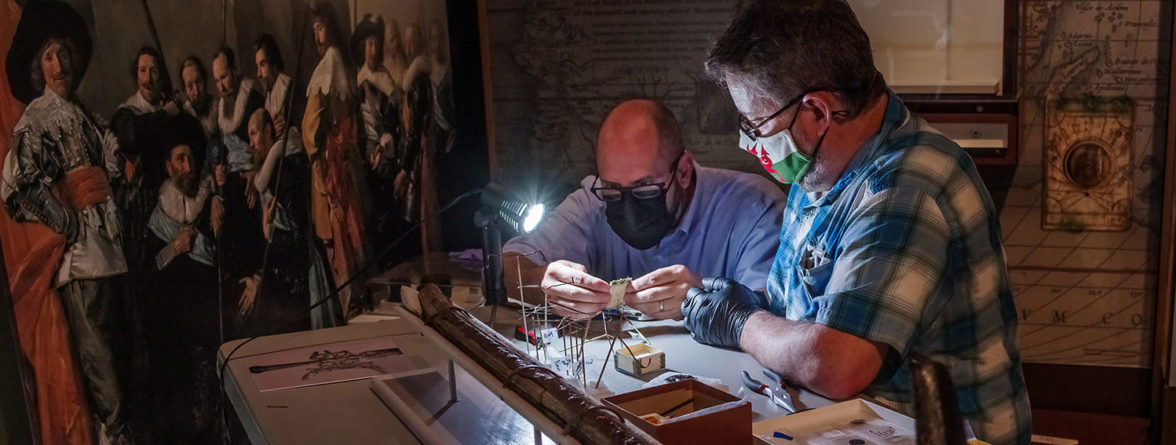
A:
x: 492, y: 280
x: 452, y: 383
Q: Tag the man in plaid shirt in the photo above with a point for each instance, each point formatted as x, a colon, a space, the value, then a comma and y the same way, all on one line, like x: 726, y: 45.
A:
x: 891, y: 244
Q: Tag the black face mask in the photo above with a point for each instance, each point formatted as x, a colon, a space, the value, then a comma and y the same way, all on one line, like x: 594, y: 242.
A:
x: 640, y: 222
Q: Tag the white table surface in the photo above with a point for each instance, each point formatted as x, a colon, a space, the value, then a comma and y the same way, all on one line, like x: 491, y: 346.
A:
x: 351, y: 411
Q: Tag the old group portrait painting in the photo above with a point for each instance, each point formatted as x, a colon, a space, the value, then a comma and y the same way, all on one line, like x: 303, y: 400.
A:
x: 178, y: 176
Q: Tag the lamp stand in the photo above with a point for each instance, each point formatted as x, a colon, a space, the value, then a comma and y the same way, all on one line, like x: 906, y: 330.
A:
x: 492, y: 282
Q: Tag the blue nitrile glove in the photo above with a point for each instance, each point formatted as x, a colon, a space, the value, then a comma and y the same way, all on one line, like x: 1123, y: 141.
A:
x: 715, y: 313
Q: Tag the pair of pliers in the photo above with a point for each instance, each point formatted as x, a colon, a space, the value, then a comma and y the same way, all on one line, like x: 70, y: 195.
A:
x: 778, y: 395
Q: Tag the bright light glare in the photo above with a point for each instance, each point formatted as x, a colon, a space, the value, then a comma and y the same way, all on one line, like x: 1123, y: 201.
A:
x: 534, y: 214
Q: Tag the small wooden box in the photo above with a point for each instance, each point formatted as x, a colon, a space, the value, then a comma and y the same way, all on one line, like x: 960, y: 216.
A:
x: 639, y: 359
x: 691, y: 412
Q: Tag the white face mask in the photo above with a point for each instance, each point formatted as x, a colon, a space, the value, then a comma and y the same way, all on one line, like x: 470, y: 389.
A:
x: 778, y: 155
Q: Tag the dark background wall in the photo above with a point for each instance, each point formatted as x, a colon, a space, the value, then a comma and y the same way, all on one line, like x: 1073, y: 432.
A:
x: 192, y: 27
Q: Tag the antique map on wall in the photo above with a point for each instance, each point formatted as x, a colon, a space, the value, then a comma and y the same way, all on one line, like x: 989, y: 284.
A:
x: 557, y: 67
x: 1085, y: 297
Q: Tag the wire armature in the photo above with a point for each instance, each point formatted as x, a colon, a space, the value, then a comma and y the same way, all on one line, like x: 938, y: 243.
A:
x: 573, y: 332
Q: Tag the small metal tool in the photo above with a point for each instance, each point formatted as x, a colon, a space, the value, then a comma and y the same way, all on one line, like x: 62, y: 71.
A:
x: 760, y: 388
x: 780, y: 390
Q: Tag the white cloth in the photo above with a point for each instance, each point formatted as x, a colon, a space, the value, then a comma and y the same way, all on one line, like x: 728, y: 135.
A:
x: 330, y: 77
x: 262, y: 178
x: 207, y: 122
x: 381, y: 79
x: 276, y: 95
x: 230, y: 120
x: 139, y: 104
x: 174, y: 211
x: 418, y: 65
x: 180, y: 207
x: 395, y: 67
x: 53, y: 129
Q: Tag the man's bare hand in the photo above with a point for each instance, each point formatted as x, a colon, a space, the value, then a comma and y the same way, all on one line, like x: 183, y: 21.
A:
x: 279, y: 124
x: 249, y: 295
x: 659, y: 294
x: 250, y: 190
x: 572, y: 292
x: 129, y: 170
x: 183, y: 240
x: 374, y: 159
x: 400, y: 184
x: 267, y: 218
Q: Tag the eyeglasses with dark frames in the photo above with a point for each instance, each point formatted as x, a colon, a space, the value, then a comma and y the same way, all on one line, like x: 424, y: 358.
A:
x: 643, y: 191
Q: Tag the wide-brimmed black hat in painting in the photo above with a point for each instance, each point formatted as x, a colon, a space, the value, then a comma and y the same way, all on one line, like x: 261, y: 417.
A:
x: 182, y: 129
x: 367, y: 27
x: 40, y: 21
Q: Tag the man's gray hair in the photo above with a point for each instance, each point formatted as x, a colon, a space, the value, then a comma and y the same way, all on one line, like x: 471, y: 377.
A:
x: 784, y: 48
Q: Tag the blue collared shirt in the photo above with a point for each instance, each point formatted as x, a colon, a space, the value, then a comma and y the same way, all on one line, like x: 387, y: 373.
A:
x: 730, y: 230
x: 905, y: 250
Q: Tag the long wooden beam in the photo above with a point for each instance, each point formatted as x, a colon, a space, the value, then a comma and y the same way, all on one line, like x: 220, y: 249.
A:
x: 583, y: 416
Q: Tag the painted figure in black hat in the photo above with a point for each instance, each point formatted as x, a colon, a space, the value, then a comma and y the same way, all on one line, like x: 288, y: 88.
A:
x: 381, y: 100
x: 136, y: 124
x: 379, y: 92
x: 184, y: 331
x: 54, y: 175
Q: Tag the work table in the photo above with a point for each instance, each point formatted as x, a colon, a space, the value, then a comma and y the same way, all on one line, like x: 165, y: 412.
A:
x: 350, y: 410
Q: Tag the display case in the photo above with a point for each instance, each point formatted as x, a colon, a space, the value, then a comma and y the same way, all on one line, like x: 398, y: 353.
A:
x: 954, y: 62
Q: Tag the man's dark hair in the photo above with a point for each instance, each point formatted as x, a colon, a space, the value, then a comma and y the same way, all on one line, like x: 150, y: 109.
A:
x: 165, y: 86
x: 38, y: 76
x: 782, y: 49
x: 267, y: 44
x: 193, y: 61
x: 323, y: 12
x: 182, y: 129
x: 230, y: 57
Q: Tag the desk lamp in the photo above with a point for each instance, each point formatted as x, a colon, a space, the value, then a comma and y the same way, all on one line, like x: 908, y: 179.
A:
x: 500, y: 210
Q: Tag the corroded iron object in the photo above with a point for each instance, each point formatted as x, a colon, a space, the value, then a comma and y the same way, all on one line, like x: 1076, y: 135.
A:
x: 583, y: 416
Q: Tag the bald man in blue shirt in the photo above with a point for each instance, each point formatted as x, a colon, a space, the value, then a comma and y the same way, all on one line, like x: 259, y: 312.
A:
x: 652, y: 214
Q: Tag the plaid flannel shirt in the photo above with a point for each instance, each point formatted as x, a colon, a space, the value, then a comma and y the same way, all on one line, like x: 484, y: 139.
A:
x: 905, y: 250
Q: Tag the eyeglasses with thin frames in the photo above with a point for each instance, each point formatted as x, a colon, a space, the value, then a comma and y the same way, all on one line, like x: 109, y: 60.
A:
x: 752, y: 131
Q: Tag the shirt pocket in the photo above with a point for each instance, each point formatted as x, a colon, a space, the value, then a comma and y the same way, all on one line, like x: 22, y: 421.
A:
x: 815, y: 279
x: 813, y: 282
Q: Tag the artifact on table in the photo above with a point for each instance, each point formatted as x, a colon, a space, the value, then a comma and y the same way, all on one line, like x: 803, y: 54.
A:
x: 616, y: 291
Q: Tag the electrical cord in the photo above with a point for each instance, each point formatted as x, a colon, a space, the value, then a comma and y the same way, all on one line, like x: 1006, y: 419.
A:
x: 287, y: 109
